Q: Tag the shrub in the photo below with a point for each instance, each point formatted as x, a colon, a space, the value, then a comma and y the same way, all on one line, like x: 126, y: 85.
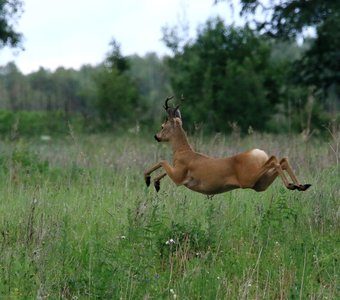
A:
x: 29, y: 123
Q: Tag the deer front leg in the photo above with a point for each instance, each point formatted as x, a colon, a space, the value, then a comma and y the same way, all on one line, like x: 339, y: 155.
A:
x: 176, y: 174
x: 147, y: 173
x: 156, y: 181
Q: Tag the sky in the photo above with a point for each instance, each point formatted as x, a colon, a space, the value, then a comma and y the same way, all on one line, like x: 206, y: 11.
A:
x: 71, y: 33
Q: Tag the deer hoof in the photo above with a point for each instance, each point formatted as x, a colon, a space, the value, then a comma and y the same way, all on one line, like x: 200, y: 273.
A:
x: 157, y: 186
x: 147, y: 180
x: 304, y: 187
x: 292, y: 186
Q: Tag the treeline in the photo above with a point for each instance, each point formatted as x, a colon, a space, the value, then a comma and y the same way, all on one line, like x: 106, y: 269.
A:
x: 230, y: 78
x: 102, y: 96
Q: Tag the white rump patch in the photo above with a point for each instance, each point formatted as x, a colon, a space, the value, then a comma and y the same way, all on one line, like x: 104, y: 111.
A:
x: 259, y: 153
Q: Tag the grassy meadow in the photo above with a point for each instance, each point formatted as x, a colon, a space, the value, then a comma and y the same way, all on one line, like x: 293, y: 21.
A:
x: 78, y: 222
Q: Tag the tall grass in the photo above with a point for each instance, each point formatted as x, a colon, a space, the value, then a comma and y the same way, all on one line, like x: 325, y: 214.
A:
x: 77, y: 222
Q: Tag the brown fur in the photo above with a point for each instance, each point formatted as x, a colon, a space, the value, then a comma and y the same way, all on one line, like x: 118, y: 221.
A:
x: 206, y: 175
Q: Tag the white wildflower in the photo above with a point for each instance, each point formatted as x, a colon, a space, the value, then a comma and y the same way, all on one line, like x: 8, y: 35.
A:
x: 170, y: 242
x: 173, y: 293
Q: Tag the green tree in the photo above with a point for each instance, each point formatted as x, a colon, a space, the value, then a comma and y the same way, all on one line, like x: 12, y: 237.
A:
x: 67, y: 87
x: 289, y: 18
x: 15, y: 87
x: 117, y: 99
x: 224, y: 75
x: 319, y: 67
x: 10, y: 11
x: 43, y: 90
x: 152, y: 79
x: 88, y: 90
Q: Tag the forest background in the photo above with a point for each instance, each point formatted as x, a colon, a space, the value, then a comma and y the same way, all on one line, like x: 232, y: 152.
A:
x: 265, y: 76
x: 76, y: 218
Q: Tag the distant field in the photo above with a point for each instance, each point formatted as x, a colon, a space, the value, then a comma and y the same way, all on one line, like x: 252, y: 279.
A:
x: 77, y: 222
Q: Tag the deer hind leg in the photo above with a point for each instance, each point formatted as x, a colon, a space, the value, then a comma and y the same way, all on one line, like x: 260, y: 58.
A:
x: 273, y: 169
x: 265, y: 180
x: 285, y: 165
x: 268, y: 173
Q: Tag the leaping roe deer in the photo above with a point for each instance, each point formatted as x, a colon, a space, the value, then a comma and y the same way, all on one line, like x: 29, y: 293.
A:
x: 253, y: 169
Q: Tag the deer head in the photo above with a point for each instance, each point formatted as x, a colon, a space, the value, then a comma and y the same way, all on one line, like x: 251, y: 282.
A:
x: 172, y: 121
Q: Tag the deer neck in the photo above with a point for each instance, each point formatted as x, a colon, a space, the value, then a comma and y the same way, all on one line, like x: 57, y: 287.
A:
x: 179, y: 141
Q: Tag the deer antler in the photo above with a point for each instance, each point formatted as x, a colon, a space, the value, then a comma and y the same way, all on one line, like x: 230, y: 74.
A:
x: 166, y: 106
x: 172, y: 112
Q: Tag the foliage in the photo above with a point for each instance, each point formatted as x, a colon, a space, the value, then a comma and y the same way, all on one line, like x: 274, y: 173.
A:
x: 115, y: 59
x: 121, y: 92
x: 288, y: 19
x: 152, y: 79
x: 26, y: 161
x: 14, y: 88
x: 298, y: 108
x: 86, y: 226
x: 87, y: 91
x: 320, y: 64
x: 62, y: 90
x: 117, y: 101
x: 225, y: 74
x: 183, y: 241
x: 10, y: 11
x: 230, y: 77
x: 23, y: 123
x: 117, y: 98
x: 279, y: 218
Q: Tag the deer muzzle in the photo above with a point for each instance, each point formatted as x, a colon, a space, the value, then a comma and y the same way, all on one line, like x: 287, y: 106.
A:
x: 157, y: 139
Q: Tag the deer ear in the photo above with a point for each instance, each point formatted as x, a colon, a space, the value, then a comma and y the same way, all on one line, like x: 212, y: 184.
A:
x: 177, y: 113
x: 178, y: 122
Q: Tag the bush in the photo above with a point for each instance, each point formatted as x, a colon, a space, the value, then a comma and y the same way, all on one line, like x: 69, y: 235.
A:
x: 29, y: 123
